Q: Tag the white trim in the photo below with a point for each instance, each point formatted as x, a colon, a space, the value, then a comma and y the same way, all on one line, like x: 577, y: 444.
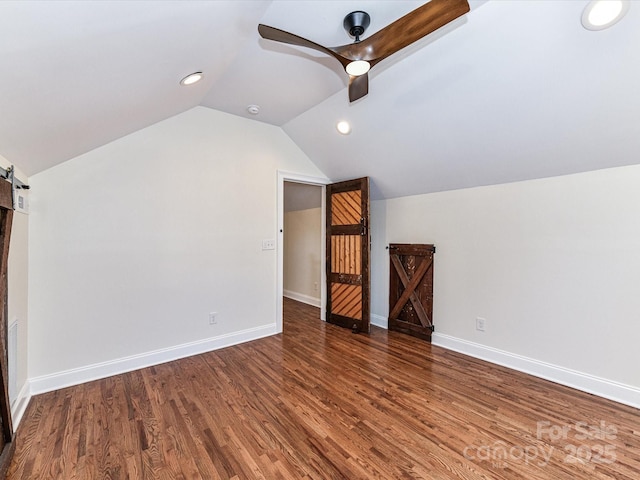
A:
x: 294, y: 177
x: 379, y: 321
x: 301, y: 297
x: 602, y: 387
x: 20, y: 404
x: 76, y: 376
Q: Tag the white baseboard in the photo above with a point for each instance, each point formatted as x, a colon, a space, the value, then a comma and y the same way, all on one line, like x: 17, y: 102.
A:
x: 379, y: 321
x: 76, y: 376
x: 618, y: 392
x: 20, y: 404
x: 301, y: 297
x: 601, y: 387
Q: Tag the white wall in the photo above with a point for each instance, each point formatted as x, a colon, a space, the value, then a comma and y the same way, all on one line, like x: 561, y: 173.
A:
x: 379, y: 264
x: 302, y: 255
x: 553, y: 265
x: 133, y: 244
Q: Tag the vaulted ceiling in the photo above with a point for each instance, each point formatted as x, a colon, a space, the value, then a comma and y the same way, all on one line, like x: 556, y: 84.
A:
x: 513, y: 90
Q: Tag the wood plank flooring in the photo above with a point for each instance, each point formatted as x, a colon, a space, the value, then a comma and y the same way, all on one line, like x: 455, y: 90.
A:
x: 319, y: 402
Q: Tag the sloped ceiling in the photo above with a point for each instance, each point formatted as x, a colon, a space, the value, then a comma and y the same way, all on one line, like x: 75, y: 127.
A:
x: 300, y: 196
x: 514, y: 90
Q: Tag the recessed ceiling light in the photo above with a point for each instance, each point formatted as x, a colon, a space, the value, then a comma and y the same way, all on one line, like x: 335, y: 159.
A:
x: 253, y: 109
x: 601, y: 14
x: 192, y: 78
x: 358, y: 67
x: 343, y: 127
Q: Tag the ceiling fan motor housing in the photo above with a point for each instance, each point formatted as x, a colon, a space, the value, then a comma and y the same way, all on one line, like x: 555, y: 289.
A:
x: 355, y: 23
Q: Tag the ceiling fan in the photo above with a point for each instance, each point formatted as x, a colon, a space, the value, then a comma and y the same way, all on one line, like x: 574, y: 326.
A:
x: 358, y: 57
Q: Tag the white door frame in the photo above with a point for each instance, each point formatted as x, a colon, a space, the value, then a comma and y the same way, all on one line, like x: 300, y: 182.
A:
x: 306, y: 179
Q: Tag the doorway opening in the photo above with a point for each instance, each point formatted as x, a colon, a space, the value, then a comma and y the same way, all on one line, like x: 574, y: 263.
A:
x: 302, y: 239
x: 301, y: 242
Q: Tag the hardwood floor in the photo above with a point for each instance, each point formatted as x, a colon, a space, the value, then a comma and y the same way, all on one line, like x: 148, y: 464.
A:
x: 319, y: 402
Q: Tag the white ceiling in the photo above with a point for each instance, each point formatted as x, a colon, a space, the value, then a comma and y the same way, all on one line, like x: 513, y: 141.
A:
x: 513, y: 90
x: 301, y: 196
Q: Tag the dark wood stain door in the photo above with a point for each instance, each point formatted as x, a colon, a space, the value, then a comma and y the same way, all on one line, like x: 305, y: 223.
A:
x: 411, y: 289
x: 7, y: 446
x: 348, y: 251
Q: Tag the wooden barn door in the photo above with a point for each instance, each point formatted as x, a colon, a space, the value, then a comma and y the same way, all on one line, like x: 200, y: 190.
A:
x: 411, y: 289
x: 348, y: 247
x: 7, y: 445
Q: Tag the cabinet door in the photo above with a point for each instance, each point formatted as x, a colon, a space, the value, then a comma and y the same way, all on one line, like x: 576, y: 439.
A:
x: 411, y: 289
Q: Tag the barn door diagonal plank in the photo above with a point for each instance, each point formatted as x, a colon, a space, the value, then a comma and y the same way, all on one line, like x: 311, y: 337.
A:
x: 409, y: 289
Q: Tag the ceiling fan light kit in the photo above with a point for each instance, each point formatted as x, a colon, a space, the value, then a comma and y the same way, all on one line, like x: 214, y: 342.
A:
x: 358, y: 57
x: 358, y: 67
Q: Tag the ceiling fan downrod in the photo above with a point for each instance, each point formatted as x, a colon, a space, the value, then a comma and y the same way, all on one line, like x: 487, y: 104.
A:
x: 355, y: 23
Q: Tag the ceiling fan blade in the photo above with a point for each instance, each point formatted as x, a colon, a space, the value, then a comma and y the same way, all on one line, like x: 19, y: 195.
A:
x: 358, y: 87
x: 277, y: 35
x: 403, y: 32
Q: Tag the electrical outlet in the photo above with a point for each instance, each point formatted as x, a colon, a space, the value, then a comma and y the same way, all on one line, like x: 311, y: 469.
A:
x: 268, y: 244
x: 213, y: 318
x: 480, y: 323
x: 315, y: 286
